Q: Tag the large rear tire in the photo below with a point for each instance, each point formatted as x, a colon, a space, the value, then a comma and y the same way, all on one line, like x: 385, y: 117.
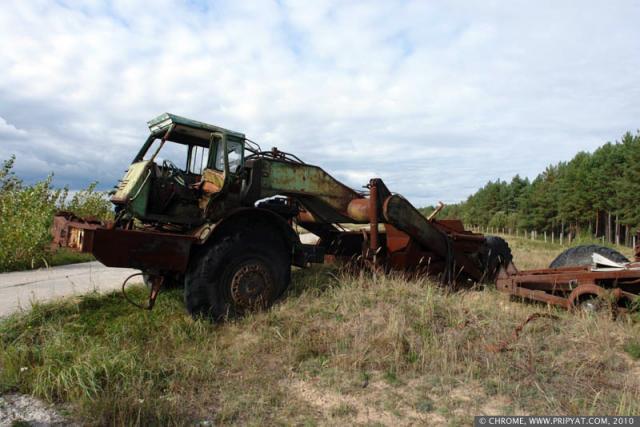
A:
x: 581, y: 255
x: 498, y: 254
x: 244, y: 271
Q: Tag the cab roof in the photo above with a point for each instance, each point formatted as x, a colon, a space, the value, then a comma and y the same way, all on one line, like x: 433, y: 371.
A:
x: 187, y: 127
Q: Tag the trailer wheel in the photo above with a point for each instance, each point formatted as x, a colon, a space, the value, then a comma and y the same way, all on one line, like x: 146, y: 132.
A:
x: 498, y: 254
x: 592, y: 304
x: 581, y: 255
x: 241, y: 272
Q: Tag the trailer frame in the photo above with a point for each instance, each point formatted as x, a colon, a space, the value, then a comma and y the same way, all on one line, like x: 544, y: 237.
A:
x: 567, y: 287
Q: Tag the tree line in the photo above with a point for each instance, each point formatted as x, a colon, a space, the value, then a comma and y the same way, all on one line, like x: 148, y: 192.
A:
x: 594, y: 194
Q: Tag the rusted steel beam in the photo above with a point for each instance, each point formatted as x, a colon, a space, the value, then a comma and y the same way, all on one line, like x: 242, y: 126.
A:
x: 402, y: 215
x: 575, y: 276
x: 358, y: 209
x: 541, y: 296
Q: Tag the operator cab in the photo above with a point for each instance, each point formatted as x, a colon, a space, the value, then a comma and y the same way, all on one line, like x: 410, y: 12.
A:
x: 178, y: 169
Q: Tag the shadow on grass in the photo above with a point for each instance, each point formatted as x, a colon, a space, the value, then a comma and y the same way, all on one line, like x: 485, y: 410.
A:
x: 316, y: 279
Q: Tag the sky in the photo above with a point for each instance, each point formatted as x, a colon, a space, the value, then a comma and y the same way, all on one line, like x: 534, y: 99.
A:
x: 434, y: 97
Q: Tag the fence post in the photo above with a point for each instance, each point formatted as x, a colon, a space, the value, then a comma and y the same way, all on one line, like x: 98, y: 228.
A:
x: 545, y: 236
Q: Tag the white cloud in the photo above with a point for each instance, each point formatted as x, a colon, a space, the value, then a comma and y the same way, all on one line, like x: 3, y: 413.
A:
x: 436, y: 98
x: 7, y: 130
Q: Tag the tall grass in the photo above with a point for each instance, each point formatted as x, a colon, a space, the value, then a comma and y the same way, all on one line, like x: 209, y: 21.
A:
x: 26, y: 214
x: 358, y: 349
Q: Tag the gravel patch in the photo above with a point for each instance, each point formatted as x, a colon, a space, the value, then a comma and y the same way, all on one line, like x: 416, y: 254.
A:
x: 22, y: 408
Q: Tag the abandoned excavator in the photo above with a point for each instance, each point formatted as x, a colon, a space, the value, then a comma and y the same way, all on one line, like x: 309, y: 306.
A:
x: 206, y: 208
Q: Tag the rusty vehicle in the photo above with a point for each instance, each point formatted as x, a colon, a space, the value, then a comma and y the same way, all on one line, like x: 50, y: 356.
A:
x: 206, y: 208
x: 588, y: 277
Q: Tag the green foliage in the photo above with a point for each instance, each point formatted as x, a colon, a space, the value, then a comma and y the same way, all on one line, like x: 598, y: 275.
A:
x: 583, y: 196
x: 633, y: 349
x: 90, y: 203
x: 26, y: 214
x: 25, y: 218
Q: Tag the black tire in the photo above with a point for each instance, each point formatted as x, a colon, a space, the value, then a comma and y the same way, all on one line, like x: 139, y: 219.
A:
x: 498, y: 254
x: 581, y: 255
x: 240, y: 272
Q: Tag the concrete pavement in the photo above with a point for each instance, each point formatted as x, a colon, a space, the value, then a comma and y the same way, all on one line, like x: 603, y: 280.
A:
x: 18, y: 289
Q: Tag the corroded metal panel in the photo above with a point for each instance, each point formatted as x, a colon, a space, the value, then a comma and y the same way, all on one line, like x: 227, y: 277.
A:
x: 70, y: 231
x: 134, y: 188
x: 405, y: 217
x: 308, y: 182
x: 163, y: 121
x: 143, y: 250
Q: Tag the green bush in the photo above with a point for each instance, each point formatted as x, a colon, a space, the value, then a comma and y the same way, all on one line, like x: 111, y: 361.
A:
x: 26, y: 214
x: 90, y: 203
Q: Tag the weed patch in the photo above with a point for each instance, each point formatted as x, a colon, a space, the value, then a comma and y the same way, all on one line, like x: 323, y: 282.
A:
x: 633, y: 349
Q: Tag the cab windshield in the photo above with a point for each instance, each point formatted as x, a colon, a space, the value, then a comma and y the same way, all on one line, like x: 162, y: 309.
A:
x: 194, y: 158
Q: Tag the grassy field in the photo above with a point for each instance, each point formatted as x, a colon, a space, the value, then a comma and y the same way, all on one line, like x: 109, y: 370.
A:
x: 368, y: 350
x: 528, y: 254
x: 65, y: 256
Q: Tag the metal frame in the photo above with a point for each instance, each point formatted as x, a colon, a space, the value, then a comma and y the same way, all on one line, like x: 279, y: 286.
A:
x: 566, y: 287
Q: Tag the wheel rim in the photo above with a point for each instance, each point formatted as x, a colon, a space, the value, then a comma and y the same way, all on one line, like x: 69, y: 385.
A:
x: 252, y: 286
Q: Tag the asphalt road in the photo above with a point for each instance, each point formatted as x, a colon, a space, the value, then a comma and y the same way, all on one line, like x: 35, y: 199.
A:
x: 18, y: 289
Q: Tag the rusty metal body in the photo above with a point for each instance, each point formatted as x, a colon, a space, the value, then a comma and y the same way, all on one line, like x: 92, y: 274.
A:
x: 398, y: 237
x: 164, y: 211
x: 567, y: 287
x: 73, y: 232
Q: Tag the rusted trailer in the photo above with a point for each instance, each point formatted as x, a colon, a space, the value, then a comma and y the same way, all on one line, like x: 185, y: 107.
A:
x: 601, y: 284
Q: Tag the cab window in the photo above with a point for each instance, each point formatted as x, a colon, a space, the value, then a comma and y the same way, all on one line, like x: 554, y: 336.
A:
x: 235, y: 156
x: 170, y: 151
x: 199, y: 159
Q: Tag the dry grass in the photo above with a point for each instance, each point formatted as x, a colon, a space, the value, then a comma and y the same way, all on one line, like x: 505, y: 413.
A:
x: 368, y: 350
x: 530, y: 254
